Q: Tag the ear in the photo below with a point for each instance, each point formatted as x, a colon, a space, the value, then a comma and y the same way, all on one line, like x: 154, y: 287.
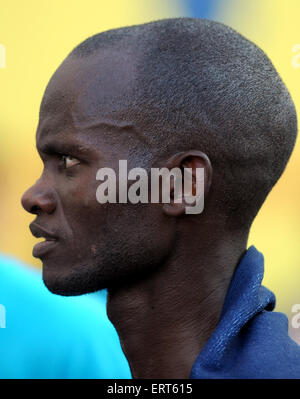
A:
x: 195, y: 184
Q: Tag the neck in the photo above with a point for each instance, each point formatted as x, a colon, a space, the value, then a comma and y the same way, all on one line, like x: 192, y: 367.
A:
x: 164, y: 321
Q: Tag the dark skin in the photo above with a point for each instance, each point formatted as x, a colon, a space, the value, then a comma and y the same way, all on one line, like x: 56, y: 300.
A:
x: 167, y: 273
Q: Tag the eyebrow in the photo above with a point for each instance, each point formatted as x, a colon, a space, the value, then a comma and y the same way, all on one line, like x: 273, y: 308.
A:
x: 57, y: 147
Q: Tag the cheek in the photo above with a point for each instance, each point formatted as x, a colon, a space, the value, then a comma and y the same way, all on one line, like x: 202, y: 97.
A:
x: 119, y: 227
x: 79, y: 205
x: 136, y: 237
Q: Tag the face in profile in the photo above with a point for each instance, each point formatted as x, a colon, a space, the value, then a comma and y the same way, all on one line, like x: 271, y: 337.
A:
x: 89, y: 246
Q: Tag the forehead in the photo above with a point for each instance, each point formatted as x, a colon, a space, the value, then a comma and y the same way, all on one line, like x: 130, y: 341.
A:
x: 86, y: 92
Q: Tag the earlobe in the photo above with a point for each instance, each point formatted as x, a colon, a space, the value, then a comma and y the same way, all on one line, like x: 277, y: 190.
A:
x: 173, y: 209
x: 176, y: 206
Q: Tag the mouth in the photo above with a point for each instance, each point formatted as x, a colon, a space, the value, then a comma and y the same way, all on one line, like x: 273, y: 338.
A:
x: 42, y: 248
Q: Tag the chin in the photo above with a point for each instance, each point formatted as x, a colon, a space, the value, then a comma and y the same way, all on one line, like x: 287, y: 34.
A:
x: 69, y: 284
x: 68, y: 278
x: 61, y: 288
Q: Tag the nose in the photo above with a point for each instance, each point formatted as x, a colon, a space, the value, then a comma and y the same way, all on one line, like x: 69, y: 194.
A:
x: 39, y: 198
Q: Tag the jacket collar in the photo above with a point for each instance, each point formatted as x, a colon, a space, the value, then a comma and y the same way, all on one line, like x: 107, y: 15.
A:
x: 245, y: 298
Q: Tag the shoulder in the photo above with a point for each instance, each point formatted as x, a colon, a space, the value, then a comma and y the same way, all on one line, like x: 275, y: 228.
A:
x: 268, y: 348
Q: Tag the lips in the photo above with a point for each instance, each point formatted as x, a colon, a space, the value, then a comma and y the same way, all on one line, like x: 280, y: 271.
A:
x: 42, y: 248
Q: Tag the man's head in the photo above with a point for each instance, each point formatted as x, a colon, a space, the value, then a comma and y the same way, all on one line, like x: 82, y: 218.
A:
x: 175, y: 93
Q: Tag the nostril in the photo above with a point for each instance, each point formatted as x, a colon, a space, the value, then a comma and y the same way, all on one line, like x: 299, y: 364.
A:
x: 35, y: 209
x: 39, y: 198
x: 33, y: 203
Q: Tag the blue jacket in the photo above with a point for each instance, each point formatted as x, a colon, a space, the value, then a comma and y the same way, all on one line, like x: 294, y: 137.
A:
x: 50, y: 336
x: 250, y: 340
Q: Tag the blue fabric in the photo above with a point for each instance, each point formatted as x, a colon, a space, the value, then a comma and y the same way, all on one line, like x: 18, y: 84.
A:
x: 49, y: 336
x: 250, y: 340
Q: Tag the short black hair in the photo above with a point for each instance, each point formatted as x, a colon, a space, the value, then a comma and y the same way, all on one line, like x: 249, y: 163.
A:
x: 201, y: 85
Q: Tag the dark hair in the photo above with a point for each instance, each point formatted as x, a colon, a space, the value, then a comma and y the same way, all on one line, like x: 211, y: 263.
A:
x: 201, y: 85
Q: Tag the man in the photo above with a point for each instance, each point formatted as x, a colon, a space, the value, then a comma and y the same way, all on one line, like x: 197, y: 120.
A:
x: 46, y: 336
x: 183, y: 293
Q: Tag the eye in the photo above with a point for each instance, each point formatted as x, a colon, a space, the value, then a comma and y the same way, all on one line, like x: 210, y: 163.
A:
x: 69, y: 161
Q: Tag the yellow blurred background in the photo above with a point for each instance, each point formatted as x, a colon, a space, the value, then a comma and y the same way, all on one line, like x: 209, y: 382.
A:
x: 38, y: 34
